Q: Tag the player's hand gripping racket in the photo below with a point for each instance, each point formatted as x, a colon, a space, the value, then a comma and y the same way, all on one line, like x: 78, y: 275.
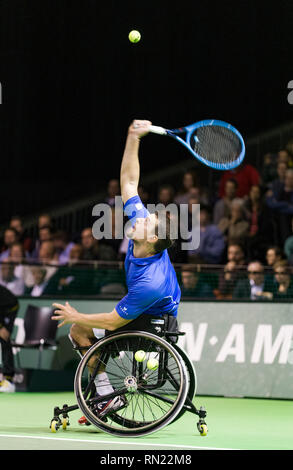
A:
x: 217, y: 144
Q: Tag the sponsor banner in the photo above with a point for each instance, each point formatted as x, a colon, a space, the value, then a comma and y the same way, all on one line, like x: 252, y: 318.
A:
x: 240, y: 349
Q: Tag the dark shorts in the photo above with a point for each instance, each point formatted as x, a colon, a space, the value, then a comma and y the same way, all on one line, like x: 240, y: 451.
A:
x: 145, y: 323
x: 151, y: 324
x: 7, y: 317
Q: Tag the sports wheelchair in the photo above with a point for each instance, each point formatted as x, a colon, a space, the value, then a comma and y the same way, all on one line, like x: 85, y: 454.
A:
x: 150, y: 371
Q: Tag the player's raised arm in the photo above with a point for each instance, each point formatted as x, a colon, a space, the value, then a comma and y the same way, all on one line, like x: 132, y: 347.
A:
x: 130, y: 170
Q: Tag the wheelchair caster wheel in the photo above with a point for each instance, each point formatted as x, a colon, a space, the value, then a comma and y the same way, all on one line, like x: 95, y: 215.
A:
x: 202, y: 428
x: 65, y: 423
x: 55, y: 425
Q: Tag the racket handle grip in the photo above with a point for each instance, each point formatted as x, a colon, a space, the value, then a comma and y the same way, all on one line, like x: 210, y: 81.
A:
x: 157, y: 130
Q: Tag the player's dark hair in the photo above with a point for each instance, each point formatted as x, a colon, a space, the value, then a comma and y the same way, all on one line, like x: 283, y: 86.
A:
x: 166, y: 242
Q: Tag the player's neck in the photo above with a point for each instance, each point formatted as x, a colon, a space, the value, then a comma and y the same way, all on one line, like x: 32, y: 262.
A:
x: 141, y: 250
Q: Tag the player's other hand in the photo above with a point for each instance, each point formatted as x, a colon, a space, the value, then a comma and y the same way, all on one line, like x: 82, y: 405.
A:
x: 139, y: 128
x: 66, y: 313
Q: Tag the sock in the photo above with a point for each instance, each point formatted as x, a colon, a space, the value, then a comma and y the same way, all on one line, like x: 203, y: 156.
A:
x: 103, y: 385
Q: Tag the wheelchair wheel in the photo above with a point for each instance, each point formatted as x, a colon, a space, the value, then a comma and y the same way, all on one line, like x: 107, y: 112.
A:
x: 191, y: 378
x: 154, y: 388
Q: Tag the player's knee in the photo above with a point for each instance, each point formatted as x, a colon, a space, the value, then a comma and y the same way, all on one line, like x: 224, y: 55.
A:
x: 74, y: 331
x: 80, y: 335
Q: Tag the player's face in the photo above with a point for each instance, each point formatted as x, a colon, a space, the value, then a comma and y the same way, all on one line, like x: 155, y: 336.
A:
x: 144, y: 228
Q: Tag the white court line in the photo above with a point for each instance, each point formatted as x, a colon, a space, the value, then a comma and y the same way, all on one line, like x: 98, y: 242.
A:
x: 113, y: 442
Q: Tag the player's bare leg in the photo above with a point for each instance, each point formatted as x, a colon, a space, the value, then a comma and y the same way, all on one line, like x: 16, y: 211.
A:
x: 84, y: 338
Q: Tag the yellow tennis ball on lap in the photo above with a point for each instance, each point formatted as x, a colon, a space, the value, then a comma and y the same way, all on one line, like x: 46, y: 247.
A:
x: 139, y: 356
x: 134, y: 36
x: 152, y: 364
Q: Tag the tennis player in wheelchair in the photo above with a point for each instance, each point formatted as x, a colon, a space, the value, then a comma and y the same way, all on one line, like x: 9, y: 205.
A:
x: 153, y: 289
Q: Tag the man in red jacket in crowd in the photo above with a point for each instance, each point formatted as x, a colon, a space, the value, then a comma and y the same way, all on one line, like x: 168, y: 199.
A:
x: 245, y: 175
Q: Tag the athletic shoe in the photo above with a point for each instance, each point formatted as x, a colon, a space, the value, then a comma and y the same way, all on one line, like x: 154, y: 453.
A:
x: 83, y: 421
x: 7, y: 386
x: 104, y: 408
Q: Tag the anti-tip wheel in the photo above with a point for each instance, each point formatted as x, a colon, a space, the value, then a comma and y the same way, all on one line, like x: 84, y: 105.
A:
x: 203, y: 429
x: 54, y: 426
x: 65, y: 423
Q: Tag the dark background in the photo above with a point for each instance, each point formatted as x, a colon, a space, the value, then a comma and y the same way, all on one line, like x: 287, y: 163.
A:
x: 72, y: 82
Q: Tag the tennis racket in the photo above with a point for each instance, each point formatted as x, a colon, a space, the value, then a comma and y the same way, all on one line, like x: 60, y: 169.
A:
x: 217, y: 144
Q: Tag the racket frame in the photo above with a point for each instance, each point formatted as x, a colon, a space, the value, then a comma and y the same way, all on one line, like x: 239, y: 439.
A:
x: 188, y: 130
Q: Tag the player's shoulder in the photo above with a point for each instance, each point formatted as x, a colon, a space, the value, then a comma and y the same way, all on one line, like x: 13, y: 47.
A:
x: 135, y: 199
x: 134, y: 206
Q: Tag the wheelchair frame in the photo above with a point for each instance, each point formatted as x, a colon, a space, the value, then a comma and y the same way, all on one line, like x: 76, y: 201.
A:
x: 166, y: 340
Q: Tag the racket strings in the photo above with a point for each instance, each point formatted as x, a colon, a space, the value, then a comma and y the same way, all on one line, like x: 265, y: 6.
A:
x: 216, y: 144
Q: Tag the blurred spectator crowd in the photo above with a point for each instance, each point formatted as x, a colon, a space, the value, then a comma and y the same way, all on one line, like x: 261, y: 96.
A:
x: 245, y: 250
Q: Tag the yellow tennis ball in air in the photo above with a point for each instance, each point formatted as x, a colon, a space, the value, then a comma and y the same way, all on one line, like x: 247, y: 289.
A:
x: 134, y: 36
x: 152, y: 364
x: 139, y: 356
